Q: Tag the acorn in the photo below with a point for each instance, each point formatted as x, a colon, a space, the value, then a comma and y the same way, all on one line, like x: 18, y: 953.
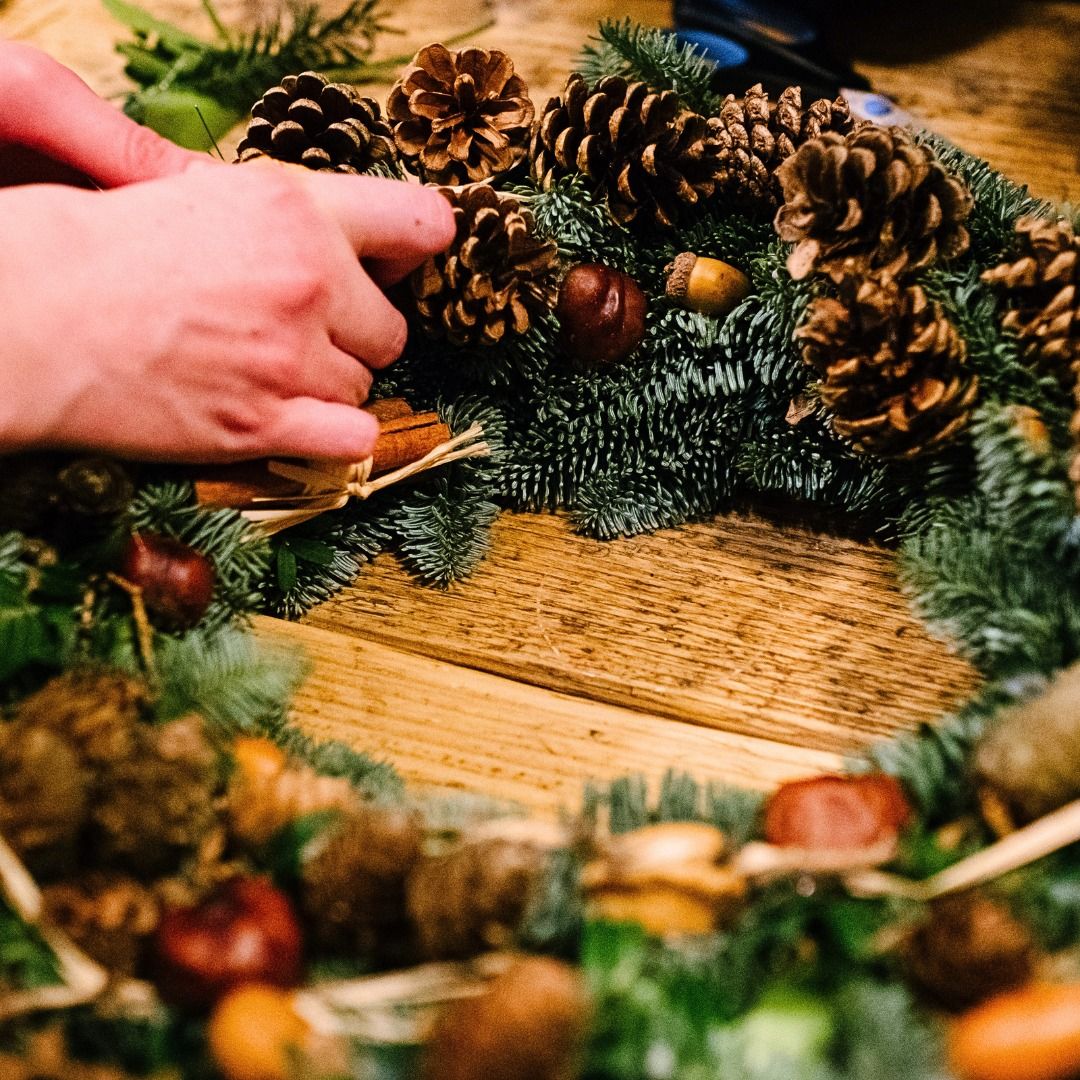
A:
x: 601, y: 313
x: 177, y: 582
x: 708, y: 286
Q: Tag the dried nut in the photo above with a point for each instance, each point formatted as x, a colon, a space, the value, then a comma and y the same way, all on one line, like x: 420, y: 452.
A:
x: 256, y: 1034
x: 706, y: 285
x: 601, y: 313
x: 666, y: 878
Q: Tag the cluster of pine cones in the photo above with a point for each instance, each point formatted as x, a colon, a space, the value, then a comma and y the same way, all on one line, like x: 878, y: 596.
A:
x: 863, y: 206
x: 459, y: 119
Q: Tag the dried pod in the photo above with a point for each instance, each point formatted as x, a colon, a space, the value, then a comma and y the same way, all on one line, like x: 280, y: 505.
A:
x: 529, y: 1024
x: 709, y: 286
x: 832, y: 813
x: 1027, y: 759
x: 668, y: 878
x: 601, y: 313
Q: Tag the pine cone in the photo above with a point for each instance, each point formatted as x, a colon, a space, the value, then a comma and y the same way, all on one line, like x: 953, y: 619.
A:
x: 109, y: 916
x: 496, y: 276
x: 873, y: 199
x: 641, y: 148
x: 96, y: 710
x: 353, y: 890
x: 1042, y: 283
x: 321, y: 125
x: 157, y: 805
x: 460, y: 117
x: 44, y: 801
x: 892, y: 367
x: 260, y: 806
x: 754, y: 137
x: 969, y: 949
x: 95, y: 487
x: 473, y: 898
x: 46, y: 1057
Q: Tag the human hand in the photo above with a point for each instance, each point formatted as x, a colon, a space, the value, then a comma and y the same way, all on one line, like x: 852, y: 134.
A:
x: 214, y: 315
x: 54, y: 127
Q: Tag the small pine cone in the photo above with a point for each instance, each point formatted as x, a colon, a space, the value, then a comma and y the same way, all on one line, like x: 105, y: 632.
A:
x: 640, y: 147
x: 1043, y: 283
x: 27, y: 491
x: 109, y: 916
x: 892, y: 367
x: 873, y: 199
x: 353, y: 889
x: 44, y: 802
x: 473, y: 898
x: 496, y: 277
x: 97, y: 711
x: 95, y: 487
x: 321, y: 125
x: 45, y: 1056
x: 754, y: 137
x: 460, y: 117
x: 969, y: 949
x: 258, y: 807
x: 157, y: 806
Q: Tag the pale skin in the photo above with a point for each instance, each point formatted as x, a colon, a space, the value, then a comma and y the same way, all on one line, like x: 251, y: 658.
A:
x: 189, y: 310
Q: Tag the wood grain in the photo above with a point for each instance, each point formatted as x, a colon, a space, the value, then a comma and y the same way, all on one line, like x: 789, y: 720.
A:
x: 736, y: 624
x: 441, y: 724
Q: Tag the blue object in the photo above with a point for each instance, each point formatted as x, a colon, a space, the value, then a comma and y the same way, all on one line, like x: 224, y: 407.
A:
x: 721, y: 51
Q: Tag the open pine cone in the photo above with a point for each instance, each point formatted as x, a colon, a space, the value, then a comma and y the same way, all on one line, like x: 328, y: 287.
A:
x: 321, y: 125
x: 460, y: 117
x: 156, y: 806
x: 640, y: 147
x: 892, y: 367
x: 1043, y: 283
x: 872, y: 199
x: 495, y: 278
x: 754, y: 136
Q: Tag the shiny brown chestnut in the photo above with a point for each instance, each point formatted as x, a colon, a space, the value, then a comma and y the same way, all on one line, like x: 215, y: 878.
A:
x: 601, y: 313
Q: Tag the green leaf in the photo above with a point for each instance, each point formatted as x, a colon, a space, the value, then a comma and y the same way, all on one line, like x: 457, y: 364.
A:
x: 286, y: 568
x: 311, y: 551
x: 141, y: 22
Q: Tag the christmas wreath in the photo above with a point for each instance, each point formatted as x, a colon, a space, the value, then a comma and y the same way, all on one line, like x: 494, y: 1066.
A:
x: 657, y: 301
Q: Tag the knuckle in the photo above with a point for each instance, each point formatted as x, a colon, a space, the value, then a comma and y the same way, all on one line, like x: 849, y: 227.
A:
x: 144, y: 155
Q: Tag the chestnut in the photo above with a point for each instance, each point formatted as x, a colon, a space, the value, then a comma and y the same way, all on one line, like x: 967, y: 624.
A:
x: 177, y: 582
x: 601, y: 313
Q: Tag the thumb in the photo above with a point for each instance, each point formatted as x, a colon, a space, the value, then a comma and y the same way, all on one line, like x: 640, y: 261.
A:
x: 306, y: 427
x: 52, y: 111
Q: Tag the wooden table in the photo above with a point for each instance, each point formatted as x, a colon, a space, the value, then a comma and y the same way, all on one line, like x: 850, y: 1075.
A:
x: 740, y: 650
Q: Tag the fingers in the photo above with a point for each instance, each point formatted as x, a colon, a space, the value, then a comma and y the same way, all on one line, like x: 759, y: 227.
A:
x: 364, y: 323
x: 306, y: 427
x: 335, y: 376
x: 386, y: 220
x: 51, y: 110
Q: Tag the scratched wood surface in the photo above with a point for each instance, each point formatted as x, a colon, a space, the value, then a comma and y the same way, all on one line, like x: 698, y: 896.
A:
x: 740, y: 649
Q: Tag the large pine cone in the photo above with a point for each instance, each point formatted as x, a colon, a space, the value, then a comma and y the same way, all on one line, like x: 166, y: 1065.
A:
x: 44, y: 801
x: 473, y: 898
x: 495, y: 277
x: 1042, y: 283
x: 969, y: 949
x: 353, y: 889
x: 318, y: 124
x: 640, y: 147
x: 460, y: 117
x: 155, y: 807
x: 892, y: 367
x: 871, y: 199
x: 754, y: 137
x: 96, y: 711
x: 109, y: 916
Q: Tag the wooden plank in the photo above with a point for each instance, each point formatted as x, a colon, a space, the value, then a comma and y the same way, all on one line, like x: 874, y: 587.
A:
x: 736, y: 624
x: 443, y: 725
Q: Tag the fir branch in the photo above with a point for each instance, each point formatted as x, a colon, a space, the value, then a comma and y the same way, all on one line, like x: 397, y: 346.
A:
x: 240, y: 559
x: 652, y: 56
